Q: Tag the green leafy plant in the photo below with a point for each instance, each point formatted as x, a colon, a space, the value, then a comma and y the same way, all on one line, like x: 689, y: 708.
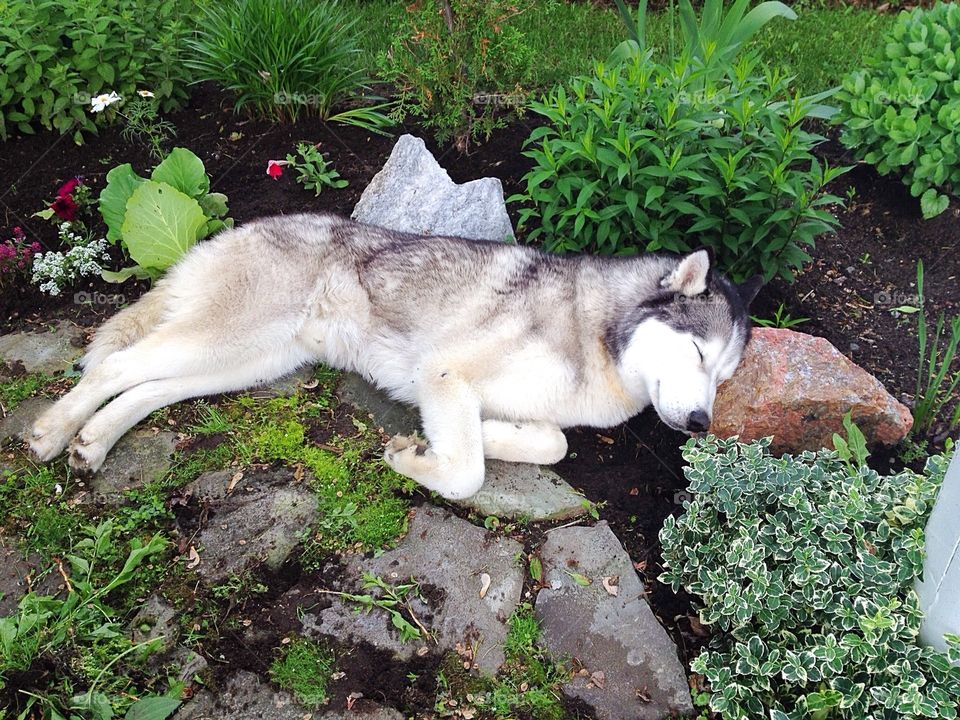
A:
x: 80, y: 623
x: 781, y: 319
x: 937, y: 382
x: 285, y: 58
x: 313, y: 170
x: 804, y: 570
x: 395, y: 600
x: 646, y: 156
x: 901, y: 112
x: 458, y: 67
x: 58, y: 54
x: 142, y: 124
x: 852, y: 449
x: 157, y: 219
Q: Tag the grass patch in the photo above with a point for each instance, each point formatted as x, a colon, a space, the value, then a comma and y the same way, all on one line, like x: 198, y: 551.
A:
x: 304, y: 668
x: 528, y: 684
x: 33, y: 507
x: 819, y: 47
x: 15, y: 390
x: 823, y: 44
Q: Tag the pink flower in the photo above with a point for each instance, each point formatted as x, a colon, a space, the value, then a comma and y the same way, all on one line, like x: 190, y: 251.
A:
x: 275, y: 168
x: 64, y: 208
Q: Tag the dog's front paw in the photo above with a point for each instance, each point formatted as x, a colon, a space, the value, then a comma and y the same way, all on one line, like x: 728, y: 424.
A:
x: 87, y: 454
x: 403, y: 452
x: 47, y: 438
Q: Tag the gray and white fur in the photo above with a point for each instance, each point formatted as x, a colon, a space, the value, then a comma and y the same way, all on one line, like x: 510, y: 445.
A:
x: 499, y: 346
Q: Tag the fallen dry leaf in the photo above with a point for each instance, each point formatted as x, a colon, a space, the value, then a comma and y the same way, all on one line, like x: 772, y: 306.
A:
x: 696, y: 627
x: 612, y: 584
x: 194, y: 558
x: 599, y: 679
x: 237, y: 477
x: 605, y: 439
x: 484, y: 584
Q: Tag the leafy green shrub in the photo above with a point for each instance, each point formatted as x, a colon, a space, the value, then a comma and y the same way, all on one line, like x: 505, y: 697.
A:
x: 646, y: 156
x: 160, y: 218
x: 284, y: 58
x: 902, y: 112
x: 458, y: 67
x: 805, y: 571
x: 57, y: 54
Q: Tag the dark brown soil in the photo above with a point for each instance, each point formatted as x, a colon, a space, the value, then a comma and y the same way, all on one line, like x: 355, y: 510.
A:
x: 848, y: 292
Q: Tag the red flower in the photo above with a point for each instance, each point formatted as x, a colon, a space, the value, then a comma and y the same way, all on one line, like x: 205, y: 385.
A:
x: 64, y: 207
x: 275, y: 168
x: 68, y: 187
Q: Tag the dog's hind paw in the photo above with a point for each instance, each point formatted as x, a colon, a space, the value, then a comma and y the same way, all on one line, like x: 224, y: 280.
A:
x: 86, y: 455
x: 403, y: 452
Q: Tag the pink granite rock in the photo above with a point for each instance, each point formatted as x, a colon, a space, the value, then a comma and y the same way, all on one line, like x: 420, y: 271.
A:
x: 797, y: 388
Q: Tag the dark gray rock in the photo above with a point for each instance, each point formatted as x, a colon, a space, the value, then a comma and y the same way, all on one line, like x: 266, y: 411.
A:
x: 287, y: 386
x: 14, y: 425
x: 140, y: 457
x: 50, y: 352
x: 617, y: 636
x: 20, y: 574
x: 260, y: 521
x: 448, y: 557
x: 243, y: 696
x: 394, y: 417
x: 412, y: 193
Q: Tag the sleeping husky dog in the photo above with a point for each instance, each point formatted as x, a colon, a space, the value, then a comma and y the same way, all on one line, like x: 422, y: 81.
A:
x: 499, y: 346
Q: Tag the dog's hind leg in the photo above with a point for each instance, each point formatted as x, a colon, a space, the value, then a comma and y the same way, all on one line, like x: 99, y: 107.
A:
x: 540, y: 443
x: 452, y: 463
x: 127, y: 327
x: 91, y: 445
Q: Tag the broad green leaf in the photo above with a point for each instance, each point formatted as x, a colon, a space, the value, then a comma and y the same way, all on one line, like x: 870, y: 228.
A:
x: 932, y: 203
x: 183, y: 170
x: 121, y: 183
x: 214, y: 204
x: 152, y: 708
x: 161, y: 225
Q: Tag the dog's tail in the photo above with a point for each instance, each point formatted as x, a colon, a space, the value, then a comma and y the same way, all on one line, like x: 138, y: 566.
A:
x: 127, y: 326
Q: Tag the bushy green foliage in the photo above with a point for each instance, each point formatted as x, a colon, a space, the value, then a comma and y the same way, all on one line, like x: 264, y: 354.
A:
x: 56, y: 54
x: 158, y: 219
x: 902, y: 112
x: 455, y: 64
x: 283, y: 58
x: 646, y: 156
x: 804, y: 570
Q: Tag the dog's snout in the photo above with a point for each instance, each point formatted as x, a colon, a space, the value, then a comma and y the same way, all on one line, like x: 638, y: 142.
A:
x: 698, y: 421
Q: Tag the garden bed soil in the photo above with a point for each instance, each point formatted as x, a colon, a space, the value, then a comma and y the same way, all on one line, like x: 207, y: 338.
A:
x: 848, y: 292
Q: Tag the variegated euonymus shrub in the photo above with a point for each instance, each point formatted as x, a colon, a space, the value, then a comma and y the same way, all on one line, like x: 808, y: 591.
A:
x: 804, y: 569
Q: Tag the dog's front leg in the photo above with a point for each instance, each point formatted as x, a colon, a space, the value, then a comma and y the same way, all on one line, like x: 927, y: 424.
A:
x: 451, y: 463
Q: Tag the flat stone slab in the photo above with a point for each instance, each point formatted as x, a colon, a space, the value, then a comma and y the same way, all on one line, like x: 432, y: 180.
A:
x: 140, y: 457
x: 48, y: 352
x: 449, y: 558
x: 15, y: 569
x: 287, y: 386
x: 394, y: 417
x: 245, y: 696
x: 259, y: 521
x: 14, y: 425
x: 616, y: 638
x: 514, y: 490
x: 413, y: 194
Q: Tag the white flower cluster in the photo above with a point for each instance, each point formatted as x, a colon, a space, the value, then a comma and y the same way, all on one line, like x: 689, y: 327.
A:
x: 56, y: 271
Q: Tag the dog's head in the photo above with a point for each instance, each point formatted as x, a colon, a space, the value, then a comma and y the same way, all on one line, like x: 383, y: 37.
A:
x: 688, y: 339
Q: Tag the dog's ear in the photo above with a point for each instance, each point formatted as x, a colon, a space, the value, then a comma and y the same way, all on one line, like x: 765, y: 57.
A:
x: 748, y: 290
x: 690, y: 277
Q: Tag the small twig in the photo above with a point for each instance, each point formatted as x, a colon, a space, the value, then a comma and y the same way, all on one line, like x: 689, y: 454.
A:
x: 63, y: 574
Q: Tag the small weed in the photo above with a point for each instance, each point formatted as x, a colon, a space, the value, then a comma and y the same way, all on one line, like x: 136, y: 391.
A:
x: 781, y: 319
x: 314, y: 172
x: 32, y: 505
x: 212, y: 421
x: 304, y: 668
x: 394, y: 600
x: 14, y: 391
x: 238, y: 586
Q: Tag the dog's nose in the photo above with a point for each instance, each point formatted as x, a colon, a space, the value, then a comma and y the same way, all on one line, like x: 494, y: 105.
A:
x: 698, y: 421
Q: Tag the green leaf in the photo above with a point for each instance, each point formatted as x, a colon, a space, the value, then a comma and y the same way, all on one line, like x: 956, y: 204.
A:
x: 134, y: 271
x: 536, y: 568
x: 161, y: 224
x: 214, y: 204
x: 183, y: 170
x: 121, y: 183
x: 579, y: 579
x: 152, y: 708
x: 932, y: 203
